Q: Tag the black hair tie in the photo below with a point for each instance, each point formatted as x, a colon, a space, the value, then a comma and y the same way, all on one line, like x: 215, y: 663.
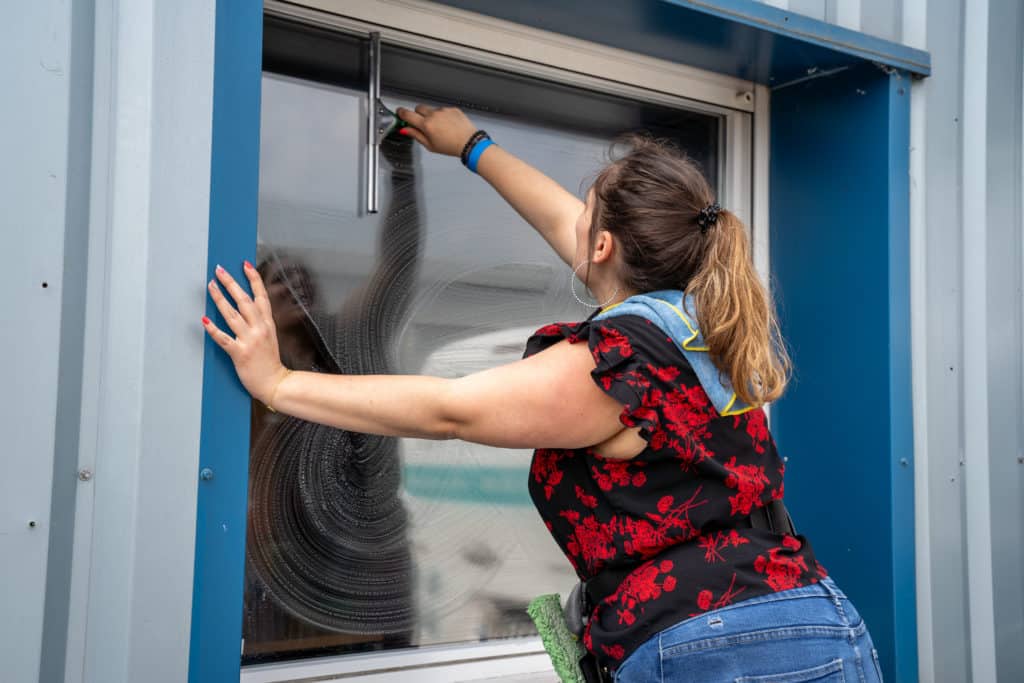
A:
x: 707, y: 217
x: 470, y: 143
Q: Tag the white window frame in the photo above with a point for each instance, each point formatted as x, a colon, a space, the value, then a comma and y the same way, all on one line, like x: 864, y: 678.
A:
x: 743, y: 179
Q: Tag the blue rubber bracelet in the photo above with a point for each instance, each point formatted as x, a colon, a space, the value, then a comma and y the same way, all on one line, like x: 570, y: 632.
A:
x: 474, y: 155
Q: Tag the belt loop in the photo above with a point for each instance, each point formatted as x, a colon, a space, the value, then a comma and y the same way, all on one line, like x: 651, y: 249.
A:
x: 837, y: 598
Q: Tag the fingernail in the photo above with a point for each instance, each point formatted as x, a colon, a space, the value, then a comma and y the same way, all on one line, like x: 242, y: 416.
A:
x: 219, y: 269
x: 206, y: 321
x: 403, y: 131
x: 248, y: 265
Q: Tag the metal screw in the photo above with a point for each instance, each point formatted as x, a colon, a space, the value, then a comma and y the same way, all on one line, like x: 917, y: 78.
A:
x: 32, y: 524
x: 84, y: 475
x: 1020, y: 459
x: 904, y: 462
x: 206, y: 474
x: 785, y: 458
x: 900, y: 91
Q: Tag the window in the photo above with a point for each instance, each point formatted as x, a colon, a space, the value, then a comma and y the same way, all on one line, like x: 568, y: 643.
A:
x: 358, y: 542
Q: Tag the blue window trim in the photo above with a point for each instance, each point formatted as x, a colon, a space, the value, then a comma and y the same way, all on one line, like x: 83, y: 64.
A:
x: 214, y: 652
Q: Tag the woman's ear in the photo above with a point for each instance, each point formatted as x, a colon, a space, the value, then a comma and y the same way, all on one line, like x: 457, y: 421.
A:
x: 604, y: 246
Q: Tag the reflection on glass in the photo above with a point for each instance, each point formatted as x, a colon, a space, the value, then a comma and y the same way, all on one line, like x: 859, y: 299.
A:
x: 361, y: 542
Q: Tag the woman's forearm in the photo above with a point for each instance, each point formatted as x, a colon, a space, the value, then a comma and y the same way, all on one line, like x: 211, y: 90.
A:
x: 545, y: 204
x: 389, y: 405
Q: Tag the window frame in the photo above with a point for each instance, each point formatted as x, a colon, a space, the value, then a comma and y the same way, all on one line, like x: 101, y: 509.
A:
x: 742, y: 177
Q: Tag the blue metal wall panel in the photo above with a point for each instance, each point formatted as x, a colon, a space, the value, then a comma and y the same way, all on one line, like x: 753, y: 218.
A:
x: 742, y: 38
x: 839, y: 236
x: 214, y: 654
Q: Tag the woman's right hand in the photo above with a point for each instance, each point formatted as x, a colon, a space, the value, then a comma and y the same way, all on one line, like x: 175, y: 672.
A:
x: 445, y: 130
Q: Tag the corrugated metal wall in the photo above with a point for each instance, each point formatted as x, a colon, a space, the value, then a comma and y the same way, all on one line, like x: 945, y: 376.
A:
x: 968, y: 253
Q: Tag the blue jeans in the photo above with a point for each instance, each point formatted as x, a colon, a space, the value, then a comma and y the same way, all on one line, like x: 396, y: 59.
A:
x: 812, y: 633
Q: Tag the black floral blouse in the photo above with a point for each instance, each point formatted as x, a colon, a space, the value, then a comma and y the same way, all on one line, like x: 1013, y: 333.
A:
x: 666, y: 512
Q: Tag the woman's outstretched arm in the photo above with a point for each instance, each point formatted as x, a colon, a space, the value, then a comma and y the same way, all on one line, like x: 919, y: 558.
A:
x: 543, y: 203
x: 547, y: 400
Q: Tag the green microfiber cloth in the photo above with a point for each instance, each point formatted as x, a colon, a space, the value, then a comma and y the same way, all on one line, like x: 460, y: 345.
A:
x: 562, y: 646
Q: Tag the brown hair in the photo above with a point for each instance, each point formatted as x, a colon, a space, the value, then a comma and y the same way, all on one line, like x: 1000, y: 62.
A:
x: 650, y: 199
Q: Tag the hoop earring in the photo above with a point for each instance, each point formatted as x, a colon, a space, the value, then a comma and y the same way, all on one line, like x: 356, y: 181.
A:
x: 572, y: 287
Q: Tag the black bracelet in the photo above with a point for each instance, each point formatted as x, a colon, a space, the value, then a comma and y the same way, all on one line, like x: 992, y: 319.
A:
x: 470, y: 144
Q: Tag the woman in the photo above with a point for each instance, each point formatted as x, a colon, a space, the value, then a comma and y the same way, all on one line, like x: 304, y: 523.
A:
x: 654, y: 464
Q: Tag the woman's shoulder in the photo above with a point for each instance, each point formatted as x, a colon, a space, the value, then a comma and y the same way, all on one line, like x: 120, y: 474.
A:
x: 613, y: 340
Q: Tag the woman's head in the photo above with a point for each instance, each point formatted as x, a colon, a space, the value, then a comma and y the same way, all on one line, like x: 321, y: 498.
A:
x: 643, y: 225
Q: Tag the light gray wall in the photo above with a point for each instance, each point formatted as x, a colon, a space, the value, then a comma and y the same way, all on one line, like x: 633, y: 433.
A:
x: 969, y: 398
x: 42, y: 206
x: 149, y: 212
x: 105, y: 170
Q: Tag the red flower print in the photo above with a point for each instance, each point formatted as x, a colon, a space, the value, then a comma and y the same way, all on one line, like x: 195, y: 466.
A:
x: 750, y: 481
x: 642, y: 538
x: 706, y: 599
x: 784, y: 571
x: 552, y: 330
x: 610, y: 473
x: 713, y: 544
x: 688, y: 452
x: 666, y: 374
x: 545, y: 468
x: 757, y: 428
x: 687, y: 412
x: 614, y: 651
x: 586, y: 499
x: 592, y: 541
x: 677, y: 517
x: 610, y: 339
x: 639, y: 587
x: 571, y: 516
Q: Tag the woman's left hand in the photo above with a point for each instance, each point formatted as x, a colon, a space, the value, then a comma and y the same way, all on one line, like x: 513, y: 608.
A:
x: 253, y: 349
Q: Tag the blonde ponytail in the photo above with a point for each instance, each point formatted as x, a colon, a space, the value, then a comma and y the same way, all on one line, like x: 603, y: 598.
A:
x: 736, y: 315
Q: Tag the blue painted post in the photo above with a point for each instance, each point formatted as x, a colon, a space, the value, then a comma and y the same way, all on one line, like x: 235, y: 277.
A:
x: 840, y: 258
x: 214, y: 654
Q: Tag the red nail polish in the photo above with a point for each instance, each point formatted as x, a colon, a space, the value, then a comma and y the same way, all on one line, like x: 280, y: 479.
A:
x: 403, y: 131
x: 248, y: 265
x: 206, y: 321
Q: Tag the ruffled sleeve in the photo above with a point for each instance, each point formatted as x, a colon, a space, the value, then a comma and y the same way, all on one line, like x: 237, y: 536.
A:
x: 623, y: 369
x: 642, y: 368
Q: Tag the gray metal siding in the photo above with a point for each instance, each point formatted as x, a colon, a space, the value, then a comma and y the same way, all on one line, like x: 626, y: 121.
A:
x: 41, y: 203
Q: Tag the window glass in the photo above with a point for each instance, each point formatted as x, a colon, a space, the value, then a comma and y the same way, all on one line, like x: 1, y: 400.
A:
x: 360, y: 542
